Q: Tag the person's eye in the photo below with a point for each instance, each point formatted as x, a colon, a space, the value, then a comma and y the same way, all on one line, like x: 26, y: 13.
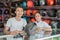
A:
x: 17, y: 11
x: 36, y: 16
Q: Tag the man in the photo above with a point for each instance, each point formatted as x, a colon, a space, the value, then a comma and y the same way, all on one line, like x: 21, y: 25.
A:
x: 15, y: 25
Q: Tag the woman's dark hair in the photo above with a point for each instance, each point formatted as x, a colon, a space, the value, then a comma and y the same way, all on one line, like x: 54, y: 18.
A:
x: 18, y: 7
x: 38, y: 13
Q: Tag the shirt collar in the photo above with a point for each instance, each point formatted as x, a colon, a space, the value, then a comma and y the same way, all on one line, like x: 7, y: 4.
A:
x: 38, y: 22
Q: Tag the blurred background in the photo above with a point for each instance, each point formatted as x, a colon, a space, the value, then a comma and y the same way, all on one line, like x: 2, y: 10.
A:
x: 50, y: 10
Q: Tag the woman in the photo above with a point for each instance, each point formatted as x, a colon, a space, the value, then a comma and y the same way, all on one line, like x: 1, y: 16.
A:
x: 41, y: 27
x: 15, y: 25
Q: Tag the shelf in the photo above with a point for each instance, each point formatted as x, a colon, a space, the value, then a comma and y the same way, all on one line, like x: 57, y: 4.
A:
x: 46, y: 7
x: 52, y: 18
x: 50, y: 7
x: 46, y: 17
x: 1, y: 29
x: 28, y: 16
x: 43, y: 7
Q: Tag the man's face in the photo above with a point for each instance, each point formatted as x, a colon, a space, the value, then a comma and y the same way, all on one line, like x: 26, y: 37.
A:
x: 19, y: 12
x: 38, y: 17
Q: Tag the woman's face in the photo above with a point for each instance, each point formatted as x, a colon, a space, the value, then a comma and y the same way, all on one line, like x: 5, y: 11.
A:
x: 19, y: 12
x: 38, y: 17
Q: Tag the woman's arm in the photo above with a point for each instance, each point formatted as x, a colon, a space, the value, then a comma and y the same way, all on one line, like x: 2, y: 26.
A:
x: 48, y: 29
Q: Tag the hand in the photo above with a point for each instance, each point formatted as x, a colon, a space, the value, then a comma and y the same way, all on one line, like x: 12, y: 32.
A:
x: 22, y: 31
x: 26, y: 36
x: 38, y: 29
x: 14, y: 32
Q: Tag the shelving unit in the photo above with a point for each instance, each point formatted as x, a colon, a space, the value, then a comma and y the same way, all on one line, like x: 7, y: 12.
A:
x: 40, y: 7
x: 45, y: 7
x: 56, y: 7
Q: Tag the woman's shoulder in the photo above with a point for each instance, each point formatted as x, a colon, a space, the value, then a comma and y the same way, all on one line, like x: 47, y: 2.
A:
x: 43, y: 22
x: 11, y: 18
x: 23, y: 19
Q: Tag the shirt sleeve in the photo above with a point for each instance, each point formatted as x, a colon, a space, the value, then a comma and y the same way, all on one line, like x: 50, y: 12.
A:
x: 24, y: 23
x: 8, y: 24
x: 46, y: 25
